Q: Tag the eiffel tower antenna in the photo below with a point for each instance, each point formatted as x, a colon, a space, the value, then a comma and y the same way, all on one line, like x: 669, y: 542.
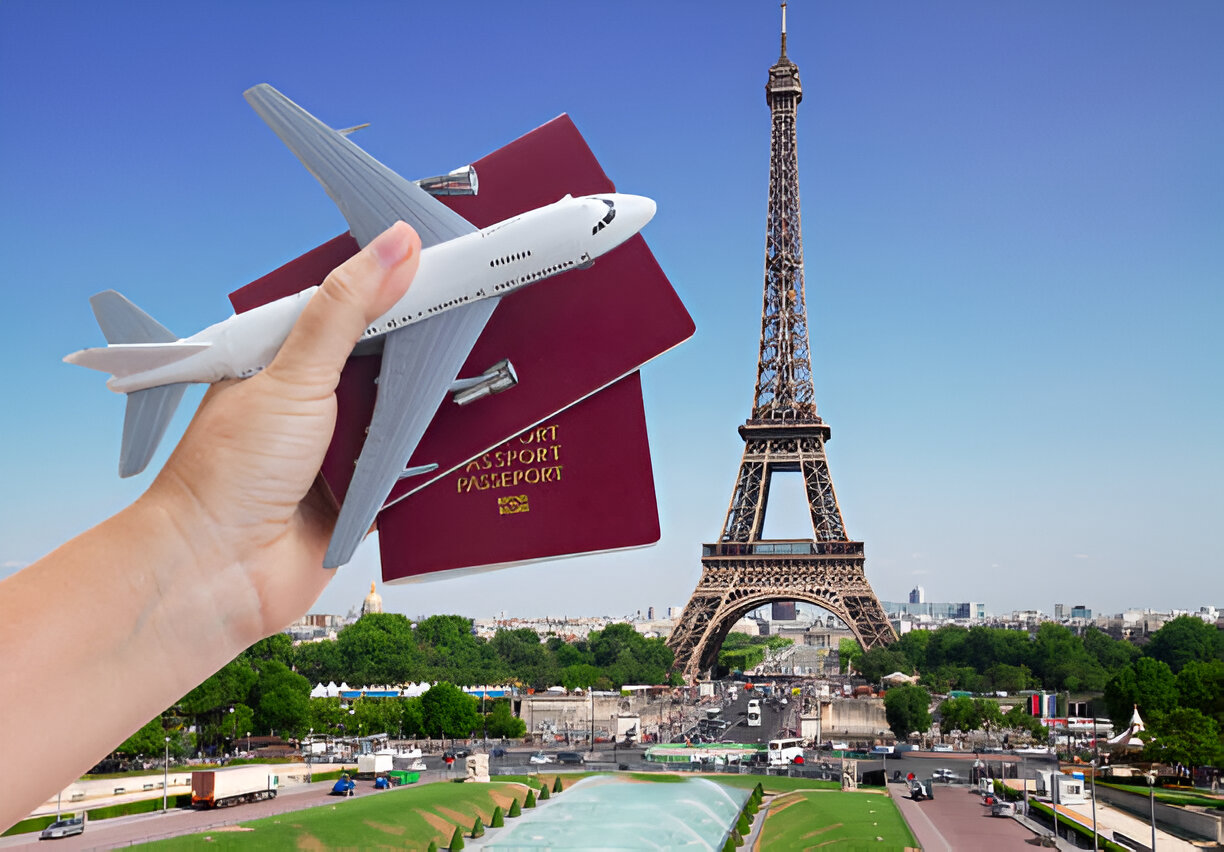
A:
x: 741, y: 571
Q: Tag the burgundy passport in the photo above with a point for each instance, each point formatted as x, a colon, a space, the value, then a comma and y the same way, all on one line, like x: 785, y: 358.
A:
x: 573, y: 475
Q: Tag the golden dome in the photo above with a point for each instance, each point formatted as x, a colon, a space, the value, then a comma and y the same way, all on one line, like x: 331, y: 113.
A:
x: 373, y: 601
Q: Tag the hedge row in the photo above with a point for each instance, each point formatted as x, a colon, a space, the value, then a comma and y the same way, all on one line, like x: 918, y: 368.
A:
x: 142, y: 806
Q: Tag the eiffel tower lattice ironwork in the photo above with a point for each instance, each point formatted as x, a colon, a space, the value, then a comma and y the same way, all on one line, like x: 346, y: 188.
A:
x: 742, y: 571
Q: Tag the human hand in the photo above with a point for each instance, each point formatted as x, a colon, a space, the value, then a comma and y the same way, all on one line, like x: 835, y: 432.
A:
x: 242, y: 489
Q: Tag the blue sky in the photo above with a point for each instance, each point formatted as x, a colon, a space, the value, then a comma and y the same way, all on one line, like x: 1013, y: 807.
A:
x: 1013, y: 233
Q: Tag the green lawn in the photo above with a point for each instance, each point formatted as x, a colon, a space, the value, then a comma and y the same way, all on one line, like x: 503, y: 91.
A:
x: 403, y: 818
x: 834, y: 820
x: 1172, y: 797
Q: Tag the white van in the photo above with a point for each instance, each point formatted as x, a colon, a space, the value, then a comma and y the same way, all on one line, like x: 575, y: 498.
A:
x: 754, y: 713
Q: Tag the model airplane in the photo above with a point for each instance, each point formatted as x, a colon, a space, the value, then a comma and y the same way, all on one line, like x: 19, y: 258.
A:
x: 425, y: 338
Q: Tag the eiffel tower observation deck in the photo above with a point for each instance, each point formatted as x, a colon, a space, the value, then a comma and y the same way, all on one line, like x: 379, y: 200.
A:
x: 742, y: 571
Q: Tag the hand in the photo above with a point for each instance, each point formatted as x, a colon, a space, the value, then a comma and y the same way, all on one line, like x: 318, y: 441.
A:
x: 243, y: 484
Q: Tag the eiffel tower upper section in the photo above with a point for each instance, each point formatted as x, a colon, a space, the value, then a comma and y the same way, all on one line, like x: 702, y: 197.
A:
x: 784, y: 372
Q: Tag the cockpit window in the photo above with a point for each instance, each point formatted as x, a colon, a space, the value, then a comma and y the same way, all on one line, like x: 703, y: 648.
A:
x: 606, y: 220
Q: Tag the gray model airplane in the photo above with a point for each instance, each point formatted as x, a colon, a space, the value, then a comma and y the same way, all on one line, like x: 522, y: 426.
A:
x: 425, y: 337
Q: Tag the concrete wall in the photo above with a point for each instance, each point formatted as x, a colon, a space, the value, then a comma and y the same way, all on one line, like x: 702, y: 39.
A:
x: 1196, y: 823
x: 558, y: 710
x: 860, y: 718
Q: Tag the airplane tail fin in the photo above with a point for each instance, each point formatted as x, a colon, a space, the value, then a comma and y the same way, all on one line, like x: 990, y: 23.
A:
x: 137, y: 343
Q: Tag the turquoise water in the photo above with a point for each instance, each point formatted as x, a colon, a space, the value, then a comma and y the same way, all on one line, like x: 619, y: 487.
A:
x: 610, y: 812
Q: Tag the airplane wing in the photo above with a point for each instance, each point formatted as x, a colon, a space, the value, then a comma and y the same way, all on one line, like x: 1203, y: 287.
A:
x: 419, y: 363
x: 371, y: 196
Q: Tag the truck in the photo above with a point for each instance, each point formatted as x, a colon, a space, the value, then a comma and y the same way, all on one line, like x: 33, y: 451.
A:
x: 232, y: 785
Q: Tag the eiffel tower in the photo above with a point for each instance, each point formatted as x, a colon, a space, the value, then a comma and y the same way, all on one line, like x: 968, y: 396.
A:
x: 742, y: 571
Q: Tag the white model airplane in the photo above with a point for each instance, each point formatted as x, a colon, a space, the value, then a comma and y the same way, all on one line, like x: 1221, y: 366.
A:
x: 425, y: 338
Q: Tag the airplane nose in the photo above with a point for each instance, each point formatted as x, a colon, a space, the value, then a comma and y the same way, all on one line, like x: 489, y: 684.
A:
x: 637, y: 209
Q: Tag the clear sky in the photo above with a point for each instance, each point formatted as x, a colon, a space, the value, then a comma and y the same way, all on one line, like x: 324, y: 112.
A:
x: 1013, y: 234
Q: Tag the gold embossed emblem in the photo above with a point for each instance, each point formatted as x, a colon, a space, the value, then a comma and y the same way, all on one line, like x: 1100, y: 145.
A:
x: 512, y: 505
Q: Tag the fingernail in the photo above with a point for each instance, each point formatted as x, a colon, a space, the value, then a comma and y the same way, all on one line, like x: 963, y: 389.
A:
x: 393, y: 246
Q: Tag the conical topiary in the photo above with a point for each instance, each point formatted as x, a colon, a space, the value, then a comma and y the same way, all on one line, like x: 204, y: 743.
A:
x: 456, y: 840
x: 529, y: 802
x: 759, y: 791
x: 544, y: 794
x: 497, y: 820
x: 515, y: 810
x: 729, y: 846
x: 743, y: 826
x: 557, y: 788
x: 477, y: 828
x: 433, y: 846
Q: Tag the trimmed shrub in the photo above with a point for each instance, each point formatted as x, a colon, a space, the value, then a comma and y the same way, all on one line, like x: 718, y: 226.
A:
x: 433, y: 846
x: 515, y: 810
x: 456, y: 840
x: 544, y: 794
x: 530, y: 801
x: 477, y: 828
x: 497, y: 820
x: 743, y: 826
x: 557, y: 788
x: 729, y: 846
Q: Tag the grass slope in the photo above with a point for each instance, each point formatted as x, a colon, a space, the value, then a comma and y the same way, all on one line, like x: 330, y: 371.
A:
x: 404, y: 818
x: 834, y: 820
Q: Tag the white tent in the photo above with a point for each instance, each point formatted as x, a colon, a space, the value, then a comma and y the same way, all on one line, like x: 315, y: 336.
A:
x: 1130, y: 737
x: 320, y: 691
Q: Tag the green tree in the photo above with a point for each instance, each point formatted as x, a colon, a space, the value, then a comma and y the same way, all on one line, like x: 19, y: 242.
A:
x: 1184, y: 736
x: 848, y: 652
x: 278, y: 647
x: 1184, y: 639
x: 319, y: 662
x: 1201, y: 685
x: 1147, y: 683
x: 149, y: 741
x: 959, y: 714
x: 447, y: 711
x: 282, y: 700
x: 881, y: 661
x: 907, y: 709
x: 501, y: 721
x: 1112, y: 654
x: 379, y: 648
x: 528, y: 659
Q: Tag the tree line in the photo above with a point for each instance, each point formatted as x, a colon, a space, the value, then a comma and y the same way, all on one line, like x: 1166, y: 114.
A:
x: 266, y: 689
x: 1176, y: 679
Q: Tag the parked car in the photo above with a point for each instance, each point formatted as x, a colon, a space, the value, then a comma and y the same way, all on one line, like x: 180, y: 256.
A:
x: 1003, y: 809
x: 943, y: 775
x: 456, y: 752
x: 63, y: 828
x: 941, y: 747
x: 497, y: 751
x: 570, y: 757
x: 540, y: 757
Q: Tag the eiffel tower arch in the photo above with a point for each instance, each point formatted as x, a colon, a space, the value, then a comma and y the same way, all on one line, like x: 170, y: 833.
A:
x: 742, y: 571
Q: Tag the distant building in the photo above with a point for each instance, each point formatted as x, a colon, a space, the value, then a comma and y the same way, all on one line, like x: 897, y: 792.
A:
x: 917, y: 595
x: 650, y: 613
x: 372, y: 602
x: 1058, y: 612
x: 1081, y: 611
x: 936, y: 611
x: 783, y: 611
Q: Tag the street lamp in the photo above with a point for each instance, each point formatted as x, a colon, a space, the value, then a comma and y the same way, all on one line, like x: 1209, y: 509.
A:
x: 165, y: 773
x: 248, y: 748
x: 1152, y: 802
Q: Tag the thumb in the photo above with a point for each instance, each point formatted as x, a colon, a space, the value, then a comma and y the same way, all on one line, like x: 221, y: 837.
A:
x: 357, y: 292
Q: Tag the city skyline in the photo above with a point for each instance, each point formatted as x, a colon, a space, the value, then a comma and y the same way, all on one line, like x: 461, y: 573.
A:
x: 1012, y: 231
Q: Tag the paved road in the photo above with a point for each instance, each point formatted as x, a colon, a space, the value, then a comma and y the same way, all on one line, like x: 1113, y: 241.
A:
x: 957, y: 820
